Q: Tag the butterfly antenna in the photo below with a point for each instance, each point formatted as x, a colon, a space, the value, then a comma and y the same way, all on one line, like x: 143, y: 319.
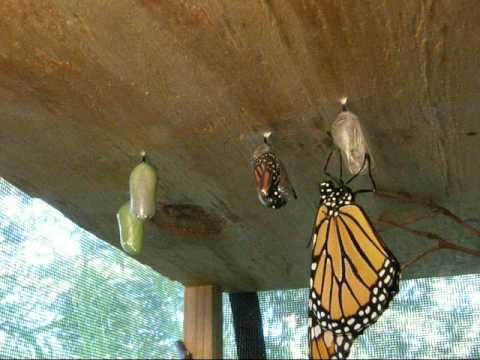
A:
x: 294, y: 193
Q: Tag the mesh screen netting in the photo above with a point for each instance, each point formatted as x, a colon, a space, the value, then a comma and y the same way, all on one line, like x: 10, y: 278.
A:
x: 66, y: 294
x: 430, y: 318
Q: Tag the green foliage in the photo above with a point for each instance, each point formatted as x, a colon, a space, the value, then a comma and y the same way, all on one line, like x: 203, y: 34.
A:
x: 66, y: 294
x: 429, y: 318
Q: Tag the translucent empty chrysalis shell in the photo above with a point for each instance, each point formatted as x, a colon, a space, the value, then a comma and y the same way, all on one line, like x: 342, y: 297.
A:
x: 273, y: 185
x: 348, y: 136
x: 143, y: 184
x: 130, y: 229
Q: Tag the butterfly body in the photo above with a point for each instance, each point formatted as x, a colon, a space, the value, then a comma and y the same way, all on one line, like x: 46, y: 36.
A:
x: 334, y: 197
x: 353, y: 275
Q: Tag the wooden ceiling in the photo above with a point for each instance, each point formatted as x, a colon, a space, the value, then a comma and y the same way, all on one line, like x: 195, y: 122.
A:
x: 86, y: 85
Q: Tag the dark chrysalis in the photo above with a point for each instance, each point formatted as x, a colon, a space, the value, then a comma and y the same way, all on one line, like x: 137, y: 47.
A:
x: 273, y: 185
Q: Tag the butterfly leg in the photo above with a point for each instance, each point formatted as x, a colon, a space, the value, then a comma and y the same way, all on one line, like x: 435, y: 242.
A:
x: 366, y: 161
x: 325, y: 171
x: 367, y: 156
x: 341, y: 166
x: 374, y: 185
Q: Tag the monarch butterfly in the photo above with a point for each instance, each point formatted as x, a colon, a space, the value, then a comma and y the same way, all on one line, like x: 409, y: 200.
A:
x: 353, y: 274
x: 273, y: 185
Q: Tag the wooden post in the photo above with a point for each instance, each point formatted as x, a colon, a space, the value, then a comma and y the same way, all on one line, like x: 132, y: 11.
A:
x: 203, y: 322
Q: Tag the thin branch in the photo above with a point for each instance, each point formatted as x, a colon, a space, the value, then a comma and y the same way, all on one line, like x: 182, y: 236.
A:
x: 442, y: 243
x: 408, y: 198
x: 425, y: 234
x: 409, y: 221
x: 420, y: 255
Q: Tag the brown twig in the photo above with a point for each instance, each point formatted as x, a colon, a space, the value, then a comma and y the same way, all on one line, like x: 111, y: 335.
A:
x: 420, y: 255
x: 411, y: 220
x: 442, y: 243
x: 408, y: 198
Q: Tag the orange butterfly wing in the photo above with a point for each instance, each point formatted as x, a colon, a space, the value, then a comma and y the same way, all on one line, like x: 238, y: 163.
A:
x: 353, y: 279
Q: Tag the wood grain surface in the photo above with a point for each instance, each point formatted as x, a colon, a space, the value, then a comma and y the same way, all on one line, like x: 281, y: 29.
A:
x: 86, y: 85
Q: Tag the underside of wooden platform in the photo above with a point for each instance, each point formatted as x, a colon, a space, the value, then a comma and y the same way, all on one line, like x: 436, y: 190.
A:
x: 86, y: 85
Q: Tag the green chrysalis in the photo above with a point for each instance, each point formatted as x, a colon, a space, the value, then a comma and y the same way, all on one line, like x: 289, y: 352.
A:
x: 131, y: 230
x: 143, y: 183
